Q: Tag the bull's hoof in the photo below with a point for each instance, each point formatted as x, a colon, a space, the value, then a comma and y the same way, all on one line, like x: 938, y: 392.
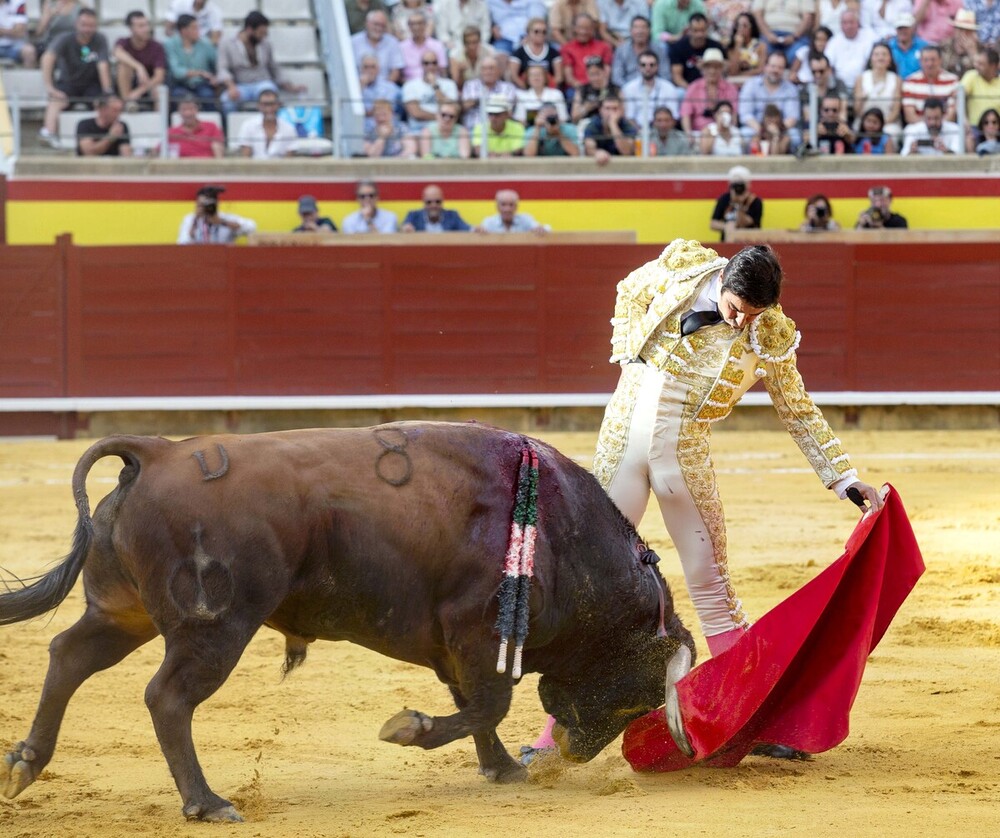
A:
x: 18, y: 771
x: 530, y: 754
x: 221, y: 814
x: 405, y: 727
x: 780, y: 752
x: 510, y: 772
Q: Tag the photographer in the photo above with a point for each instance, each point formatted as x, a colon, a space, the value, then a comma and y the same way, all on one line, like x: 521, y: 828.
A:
x: 834, y: 135
x: 880, y: 215
x: 549, y: 137
x: 206, y: 225
x: 739, y: 208
x: 819, y: 216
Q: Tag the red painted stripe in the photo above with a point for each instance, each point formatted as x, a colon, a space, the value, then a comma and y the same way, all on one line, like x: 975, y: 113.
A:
x: 974, y: 185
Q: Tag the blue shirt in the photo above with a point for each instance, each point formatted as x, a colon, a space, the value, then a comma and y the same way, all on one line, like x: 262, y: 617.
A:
x: 907, y: 63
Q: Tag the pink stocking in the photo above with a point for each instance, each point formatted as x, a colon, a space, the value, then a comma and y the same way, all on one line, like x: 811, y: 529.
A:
x: 719, y: 643
x: 545, y: 739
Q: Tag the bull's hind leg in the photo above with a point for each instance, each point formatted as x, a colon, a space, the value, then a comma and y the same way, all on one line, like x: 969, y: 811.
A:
x: 95, y: 642
x: 481, y: 708
x: 199, y: 658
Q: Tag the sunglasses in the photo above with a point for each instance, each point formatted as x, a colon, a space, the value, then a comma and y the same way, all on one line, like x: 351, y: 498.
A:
x: 433, y: 202
x: 539, y: 31
x: 363, y: 195
x: 831, y: 110
x: 429, y: 63
x: 647, y: 64
x: 448, y: 116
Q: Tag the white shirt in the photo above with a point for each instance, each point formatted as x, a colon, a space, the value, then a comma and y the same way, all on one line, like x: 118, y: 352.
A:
x: 950, y: 135
x: 383, y: 222
x: 209, y: 18
x: 528, y: 100
x: 419, y: 91
x: 660, y: 94
x: 849, y: 56
x: 252, y: 136
x: 196, y: 230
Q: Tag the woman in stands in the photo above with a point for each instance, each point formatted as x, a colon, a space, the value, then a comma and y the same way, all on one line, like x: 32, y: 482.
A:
x: 799, y: 72
x: 988, y: 138
x: 872, y: 137
x: 721, y: 137
x: 746, y: 51
x: 446, y: 137
x: 537, y: 94
x: 880, y: 87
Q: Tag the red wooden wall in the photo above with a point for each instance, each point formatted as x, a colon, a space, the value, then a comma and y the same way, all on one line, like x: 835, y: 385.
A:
x: 479, y: 318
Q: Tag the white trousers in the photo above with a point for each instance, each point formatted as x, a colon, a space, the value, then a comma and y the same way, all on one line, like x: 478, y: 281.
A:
x: 650, y: 440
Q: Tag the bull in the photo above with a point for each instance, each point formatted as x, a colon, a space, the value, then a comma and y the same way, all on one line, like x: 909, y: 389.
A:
x: 391, y: 537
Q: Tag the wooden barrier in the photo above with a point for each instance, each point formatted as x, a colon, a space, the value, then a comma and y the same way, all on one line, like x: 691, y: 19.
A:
x: 411, y: 239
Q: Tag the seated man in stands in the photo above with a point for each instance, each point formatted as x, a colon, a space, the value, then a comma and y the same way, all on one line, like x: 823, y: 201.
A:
x: 191, y: 62
x: 667, y: 139
x: 370, y: 218
x: 311, y: 220
x: 508, y: 219
x: 625, y: 65
x: 141, y: 63
x: 648, y: 91
x: 609, y: 134
x: 879, y: 214
x: 14, y: 44
x: 246, y: 65
x: 578, y: 54
x: 104, y: 134
x: 386, y: 137
x: 833, y: 134
x: 488, y: 85
x: 206, y: 225
x: 266, y: 136
x: 434, y: 218
x: 423, y: 96
x: 416, y: 47
x: 75, y: 67
x: 207, y: 12
x: 550, y: 136
x: 376, y: 40
x: 504, y: 136
x: 510, y: 21
x: 933, y: 135
x: 195, y: 137
x: 686, y: 53
x: 599, y: 86
x: 930, y: 81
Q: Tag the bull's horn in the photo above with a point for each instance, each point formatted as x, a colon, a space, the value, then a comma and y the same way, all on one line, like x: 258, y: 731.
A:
x: 677, y: 667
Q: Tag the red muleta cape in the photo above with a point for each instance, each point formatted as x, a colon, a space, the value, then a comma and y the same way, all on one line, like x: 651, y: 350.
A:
x: 792, y: 678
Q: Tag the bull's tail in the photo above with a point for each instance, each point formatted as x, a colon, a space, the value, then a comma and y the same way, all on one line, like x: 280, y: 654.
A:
x: 40, y: 594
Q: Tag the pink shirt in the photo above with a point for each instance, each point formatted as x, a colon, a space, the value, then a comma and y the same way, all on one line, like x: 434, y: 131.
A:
x: 412, y: 68
x: 696, y: 101
x: 936, y: 27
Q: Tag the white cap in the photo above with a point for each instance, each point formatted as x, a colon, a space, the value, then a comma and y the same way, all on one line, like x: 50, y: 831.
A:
x: 905, y: 21
x: 739, y: 174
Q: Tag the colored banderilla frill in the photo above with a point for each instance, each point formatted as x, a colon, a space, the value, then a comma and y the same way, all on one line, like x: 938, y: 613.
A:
x: 519, y: 563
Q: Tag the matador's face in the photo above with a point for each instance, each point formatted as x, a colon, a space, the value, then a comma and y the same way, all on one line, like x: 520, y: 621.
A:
x: 736, y: 311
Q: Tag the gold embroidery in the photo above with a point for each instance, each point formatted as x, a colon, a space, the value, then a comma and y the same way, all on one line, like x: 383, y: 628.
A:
x: 772, y: 335
x: 614, y: 432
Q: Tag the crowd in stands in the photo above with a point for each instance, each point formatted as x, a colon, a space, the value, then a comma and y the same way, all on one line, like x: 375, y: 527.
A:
x: 604, y: 78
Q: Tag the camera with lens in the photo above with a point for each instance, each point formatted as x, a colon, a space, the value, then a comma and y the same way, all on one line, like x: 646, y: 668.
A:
x: 209, y: 199
x: 552, y: 119
x: 211, y: 207
x: 738, y: 188
x: 820, y: 211
x: 877, y: 216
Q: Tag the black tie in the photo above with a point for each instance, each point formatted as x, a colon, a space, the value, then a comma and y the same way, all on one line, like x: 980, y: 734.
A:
x: 696, y: 319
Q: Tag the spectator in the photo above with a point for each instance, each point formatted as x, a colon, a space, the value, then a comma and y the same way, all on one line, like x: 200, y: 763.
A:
x: 721, y: 137
x: 987, y: 14
x: 883, y: 16
x: 738, y: 208
x: 644, y: 94
x: 488, y: 85
x: 849, y: 48
x: 669, y: 18
x: 588, y: 98
x: 466, y: 59
x: 833, y: 134
x: 872, y: 137
x: 370, y: 218
x: 625, y: 64
x: 933, y: 135
x: 423, y: 96
x: 531, y: 100
x: 686, y: 53
x: 208, y: 13
x: 191, y: 61
x: 446, y: 137
x: 932, y: 81
x: 386, y: 137
x: 311, y: 221
x: 987, y: 141
x: 72, y: 57
x: 704, y: 94
x: 246, y: 65
x: 375, y: 87
x: 536, y: 50
x: 399, y: 18
x: 434, y: 218
x: 453, y: 17
x: 265, y: 136
x: 746, y: 52
x: 982, y: 85
x: 562, y: 15
x: 504, y: 136
x: 376, y: 40
x: 799, y: 72
x: 879, y: 86
x: 772, y: 138
x: 784, y: 25
x: 770, y: 88
x: 416, y: 47
x: 609, y: 134
x: 357, y: 12
x: 819, y: 216
x: 826, y: 83
x: 666, y: 139
x: 934, y: 19
x: 14, y: 44
x: 906, y: 47
x: 104, y: 134
x: 141, y: 63
x: 58, y: 17
x: 583, y: 48
x: 194, y: 137
x: 206, y: 225
x: 615, y: 19
x: 550, y: 136
x: 958, y: 53
x: 879, y: 213
x: 508, y: 219
x: 510, y: 21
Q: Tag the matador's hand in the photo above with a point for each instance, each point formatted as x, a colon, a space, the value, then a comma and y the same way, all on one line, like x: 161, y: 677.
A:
x: 869, y: 493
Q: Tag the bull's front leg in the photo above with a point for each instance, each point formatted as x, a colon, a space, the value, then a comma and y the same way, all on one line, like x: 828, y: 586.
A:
x: 481, y: 709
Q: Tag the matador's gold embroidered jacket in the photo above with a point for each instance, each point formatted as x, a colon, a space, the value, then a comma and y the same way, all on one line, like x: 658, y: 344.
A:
x: 648, y: 310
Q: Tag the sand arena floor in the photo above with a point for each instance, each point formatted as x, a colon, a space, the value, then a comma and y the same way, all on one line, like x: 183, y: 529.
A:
x: 302, y: 758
